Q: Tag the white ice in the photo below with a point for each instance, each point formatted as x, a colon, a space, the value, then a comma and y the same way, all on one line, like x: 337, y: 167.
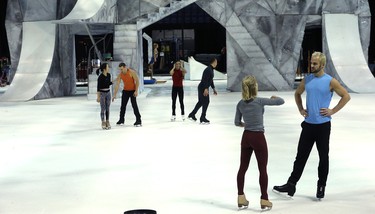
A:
x: 55, y: 158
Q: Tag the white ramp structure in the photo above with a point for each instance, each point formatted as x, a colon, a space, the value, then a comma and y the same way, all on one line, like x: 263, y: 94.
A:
x: 38, y: 44
x: 344, y: 47
x: 83, y: 9
x: 195, y: 70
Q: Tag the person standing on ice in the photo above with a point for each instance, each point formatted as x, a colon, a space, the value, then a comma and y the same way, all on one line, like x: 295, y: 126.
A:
x: 104, y: 94
x: 316, y: 127
x: 178, y: 72
x: 251, y: 109
x: 131, y: 82
x: 203, y: 92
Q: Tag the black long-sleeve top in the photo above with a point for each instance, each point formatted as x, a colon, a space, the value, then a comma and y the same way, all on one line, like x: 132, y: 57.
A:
x: 104, y: 82
x: 207, y: 78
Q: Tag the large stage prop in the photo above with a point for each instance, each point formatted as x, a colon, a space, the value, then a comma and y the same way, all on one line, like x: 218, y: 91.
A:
x: 38, y: 44
x: 344, y: 47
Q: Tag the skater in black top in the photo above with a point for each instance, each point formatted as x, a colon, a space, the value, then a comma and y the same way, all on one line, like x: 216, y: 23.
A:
x: 104, y: 94
x: 203, y: 92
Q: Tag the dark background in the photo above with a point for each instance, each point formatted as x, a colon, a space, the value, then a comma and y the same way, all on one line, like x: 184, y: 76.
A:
x: 4, y: 49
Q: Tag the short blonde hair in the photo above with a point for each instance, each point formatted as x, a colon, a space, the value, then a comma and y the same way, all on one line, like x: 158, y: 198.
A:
x: 321, y: 56
x: 249, y: 87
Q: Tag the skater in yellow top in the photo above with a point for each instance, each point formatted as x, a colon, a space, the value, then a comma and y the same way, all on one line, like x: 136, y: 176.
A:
x: 131, y: 82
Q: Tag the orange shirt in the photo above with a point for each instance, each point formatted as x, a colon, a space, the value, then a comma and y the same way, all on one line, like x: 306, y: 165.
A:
x: 129, y: 84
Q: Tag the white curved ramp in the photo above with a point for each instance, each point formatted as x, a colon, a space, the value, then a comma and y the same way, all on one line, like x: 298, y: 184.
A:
x: 195, y: 71
x: 344, y: 45
x: 38, y: 44
x: 84, y: 9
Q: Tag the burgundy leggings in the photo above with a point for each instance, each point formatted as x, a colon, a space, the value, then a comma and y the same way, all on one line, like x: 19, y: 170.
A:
x: 253, y: 141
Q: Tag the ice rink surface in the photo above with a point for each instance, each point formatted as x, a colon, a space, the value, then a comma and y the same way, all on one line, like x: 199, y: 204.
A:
x: 55, y: 158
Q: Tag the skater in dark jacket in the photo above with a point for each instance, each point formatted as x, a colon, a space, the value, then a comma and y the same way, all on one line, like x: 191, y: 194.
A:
x: 203, y: 92
x: 104, y: 94
x: 316, y: 126
x: 251, y: 109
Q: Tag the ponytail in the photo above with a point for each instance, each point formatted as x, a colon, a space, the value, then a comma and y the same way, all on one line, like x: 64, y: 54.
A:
x: 249, y: 87
x: 102, y: 67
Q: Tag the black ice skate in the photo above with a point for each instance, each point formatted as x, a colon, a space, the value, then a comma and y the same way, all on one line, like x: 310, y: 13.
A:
x: 204, y: 121
x: 286, y: 188
x: 138, y: 123
x: 320, y: 191
x: 120, y: 123
x: 192, y: 117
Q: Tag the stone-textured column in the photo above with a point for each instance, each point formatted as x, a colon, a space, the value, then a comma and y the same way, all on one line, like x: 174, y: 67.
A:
x: 127, y: 48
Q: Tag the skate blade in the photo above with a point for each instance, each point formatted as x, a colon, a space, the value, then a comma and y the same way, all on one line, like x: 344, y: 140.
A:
x: 264, y: 209
x: 204, y: 123
x: 137, y: 125
x: 242, y: 207
x: 283, y: 194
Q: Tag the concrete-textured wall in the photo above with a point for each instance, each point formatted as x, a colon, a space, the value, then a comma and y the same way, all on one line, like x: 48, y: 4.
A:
x: 263, y: 37
x: 277, y: 28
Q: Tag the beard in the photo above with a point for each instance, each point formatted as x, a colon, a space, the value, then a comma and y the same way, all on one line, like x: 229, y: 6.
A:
x: 316, y: 70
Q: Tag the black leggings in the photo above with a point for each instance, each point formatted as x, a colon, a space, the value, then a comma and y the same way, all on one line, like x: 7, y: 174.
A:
x: 180, y: 92
x: 253, y: 141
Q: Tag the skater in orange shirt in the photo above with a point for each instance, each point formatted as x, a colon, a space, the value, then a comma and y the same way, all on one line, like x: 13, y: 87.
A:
x: 131, y: 83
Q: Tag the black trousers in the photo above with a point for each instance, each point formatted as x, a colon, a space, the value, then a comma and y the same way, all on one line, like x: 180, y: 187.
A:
x: 311, y: 133
x: 203, y: 101
x: 124, y: 101
x: 180, y: 92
